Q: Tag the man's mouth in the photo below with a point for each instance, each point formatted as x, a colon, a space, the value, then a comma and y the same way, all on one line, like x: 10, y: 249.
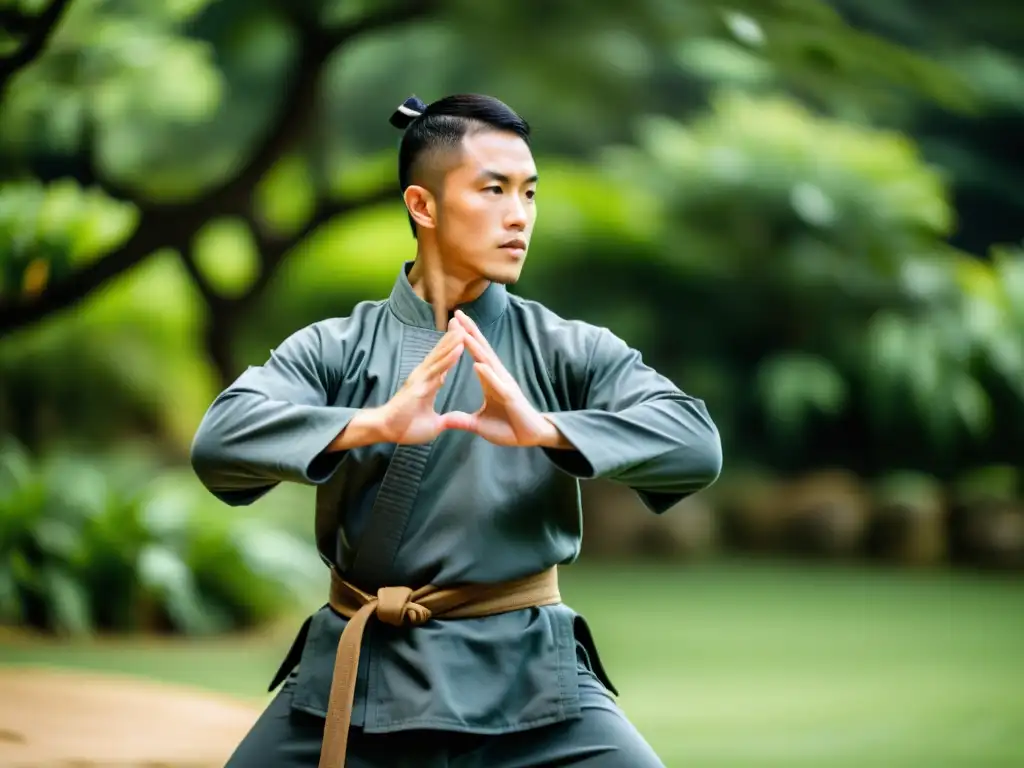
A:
x: 515, y: 245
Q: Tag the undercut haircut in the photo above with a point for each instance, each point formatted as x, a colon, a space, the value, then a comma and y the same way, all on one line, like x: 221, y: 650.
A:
x: 440, y: 127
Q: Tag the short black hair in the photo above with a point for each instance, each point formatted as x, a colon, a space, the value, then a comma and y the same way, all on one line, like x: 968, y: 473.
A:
x: 443, y: 124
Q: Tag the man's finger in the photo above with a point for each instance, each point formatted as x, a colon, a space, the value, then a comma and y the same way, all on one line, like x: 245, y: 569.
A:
x: 441, y: 364
x: 454, y: 333
x: 459, y: 420
x: 481, y: 355
x: 445, y: 363
x: 470, y: 325
x: 426, y: 388
x: 492, y: 382
x: 481, y: 350
x: 473, y: 330
x: 486, y: 353
x: 441, y: 350
x: 478, y: 351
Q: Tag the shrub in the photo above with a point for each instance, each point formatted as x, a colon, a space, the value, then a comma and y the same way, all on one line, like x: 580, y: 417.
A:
x: 114, y: 544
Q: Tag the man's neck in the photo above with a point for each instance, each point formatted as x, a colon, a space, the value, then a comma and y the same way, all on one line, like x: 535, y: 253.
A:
x: 454, y: 289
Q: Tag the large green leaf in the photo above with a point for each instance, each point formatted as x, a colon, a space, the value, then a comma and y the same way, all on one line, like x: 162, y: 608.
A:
x: 68, y: 601
x: 166, y: 576
x: 797, y: 387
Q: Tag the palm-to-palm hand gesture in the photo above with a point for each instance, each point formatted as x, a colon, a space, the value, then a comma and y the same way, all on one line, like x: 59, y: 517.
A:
x: 506, y: 416
x: 409, y: 417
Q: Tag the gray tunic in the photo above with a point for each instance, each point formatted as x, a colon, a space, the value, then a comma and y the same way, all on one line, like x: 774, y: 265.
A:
x: 459, y: 509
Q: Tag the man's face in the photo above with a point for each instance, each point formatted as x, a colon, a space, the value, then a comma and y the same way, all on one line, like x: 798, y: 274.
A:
x: 486, y: 210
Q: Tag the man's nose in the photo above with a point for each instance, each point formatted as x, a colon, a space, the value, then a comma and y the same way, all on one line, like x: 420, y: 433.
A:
x: 516, y: 216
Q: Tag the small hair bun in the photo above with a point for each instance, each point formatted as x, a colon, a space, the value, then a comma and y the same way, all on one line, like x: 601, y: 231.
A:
x: 407, y: 111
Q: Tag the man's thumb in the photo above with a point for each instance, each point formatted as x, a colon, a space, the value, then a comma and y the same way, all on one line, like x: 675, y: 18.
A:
x: 459, y: 420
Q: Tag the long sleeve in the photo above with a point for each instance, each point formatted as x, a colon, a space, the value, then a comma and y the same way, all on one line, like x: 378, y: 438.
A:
x: 634, y: 426
x: 272, y: 424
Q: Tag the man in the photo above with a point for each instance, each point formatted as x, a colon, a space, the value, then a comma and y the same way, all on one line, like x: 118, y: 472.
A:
x: 446, y: 429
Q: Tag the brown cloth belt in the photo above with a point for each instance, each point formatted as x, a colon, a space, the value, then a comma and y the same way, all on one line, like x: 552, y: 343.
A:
x: 402, y: 605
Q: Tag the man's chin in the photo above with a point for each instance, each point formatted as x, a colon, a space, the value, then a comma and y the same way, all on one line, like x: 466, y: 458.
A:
x: 508, y: 276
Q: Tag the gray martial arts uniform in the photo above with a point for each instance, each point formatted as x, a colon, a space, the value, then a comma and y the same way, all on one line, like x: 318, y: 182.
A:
x: 457, y: 510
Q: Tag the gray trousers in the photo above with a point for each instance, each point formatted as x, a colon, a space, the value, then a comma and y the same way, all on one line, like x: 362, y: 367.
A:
x: 602, y: 738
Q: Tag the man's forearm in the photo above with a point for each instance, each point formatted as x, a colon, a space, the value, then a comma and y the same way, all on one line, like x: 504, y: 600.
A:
x: 554, y: 438
x: 365, y: 428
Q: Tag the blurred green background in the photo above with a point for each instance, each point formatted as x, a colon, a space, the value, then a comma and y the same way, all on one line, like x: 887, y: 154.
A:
x: 808, y: 213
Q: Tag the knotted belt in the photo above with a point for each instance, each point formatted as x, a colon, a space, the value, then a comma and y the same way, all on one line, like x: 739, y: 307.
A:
x: 402, y: 605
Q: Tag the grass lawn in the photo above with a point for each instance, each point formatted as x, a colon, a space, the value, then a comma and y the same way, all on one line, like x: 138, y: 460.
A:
x: 730, y: 665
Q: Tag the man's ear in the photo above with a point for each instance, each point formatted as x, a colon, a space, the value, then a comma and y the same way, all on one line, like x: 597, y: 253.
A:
x: 422, y: 206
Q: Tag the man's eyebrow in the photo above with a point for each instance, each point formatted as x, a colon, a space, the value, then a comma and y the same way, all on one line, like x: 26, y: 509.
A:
x: 487, y: 174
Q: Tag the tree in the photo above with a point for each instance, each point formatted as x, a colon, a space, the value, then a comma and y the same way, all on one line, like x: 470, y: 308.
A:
x: 174, y: 224
x: 132, y: 100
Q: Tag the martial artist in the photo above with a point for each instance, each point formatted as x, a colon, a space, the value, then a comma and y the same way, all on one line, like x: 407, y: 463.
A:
x: 446, y: 428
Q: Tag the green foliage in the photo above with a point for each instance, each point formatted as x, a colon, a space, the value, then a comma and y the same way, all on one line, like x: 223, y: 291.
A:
x: 46, y: 231
x: 286, y: 197
x: 126, y: 362
x: 227, y: 256
x: 113, y: 544
x: 835, y: 235
x: 765, y: 170
x: 795, y: 387
x: 126, y: 68
x: 969, y: 330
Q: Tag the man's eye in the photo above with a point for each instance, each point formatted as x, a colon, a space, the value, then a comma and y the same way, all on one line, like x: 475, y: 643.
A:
x: 495, y: 189
x: 531, y: 194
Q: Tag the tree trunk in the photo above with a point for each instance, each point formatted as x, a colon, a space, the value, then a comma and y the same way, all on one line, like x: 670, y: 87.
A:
x: 220, y: 336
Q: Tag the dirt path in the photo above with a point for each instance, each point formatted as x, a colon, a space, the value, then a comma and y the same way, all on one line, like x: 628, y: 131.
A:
x: 86, y: 720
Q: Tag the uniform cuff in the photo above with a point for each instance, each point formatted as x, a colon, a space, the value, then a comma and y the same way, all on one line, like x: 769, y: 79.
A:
x: 588, y: 458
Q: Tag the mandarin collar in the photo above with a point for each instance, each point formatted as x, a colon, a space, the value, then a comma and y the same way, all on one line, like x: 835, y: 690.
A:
x: 412, y: 310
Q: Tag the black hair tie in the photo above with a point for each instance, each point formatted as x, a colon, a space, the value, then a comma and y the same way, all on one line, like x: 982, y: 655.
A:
x: 407, y: 111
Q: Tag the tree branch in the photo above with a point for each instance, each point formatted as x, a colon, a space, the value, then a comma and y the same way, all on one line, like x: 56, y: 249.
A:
x: 70, y: 291
x: 84, y: 169
x: 274, y: 249
x: 188, y: 260
x: 88, y: 172
x: 232, y: 196
x: 293, y: 117
x: 383, y: 18
x: 38, y: 30
x: 16, y: 22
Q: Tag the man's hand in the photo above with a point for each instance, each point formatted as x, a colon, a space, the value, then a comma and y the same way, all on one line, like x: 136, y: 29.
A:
x: 506, y: 417
x: 409, y: 417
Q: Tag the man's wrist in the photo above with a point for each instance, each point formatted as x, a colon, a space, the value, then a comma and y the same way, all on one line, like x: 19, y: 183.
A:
x: 553, y: 437
x: 365, y: 428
